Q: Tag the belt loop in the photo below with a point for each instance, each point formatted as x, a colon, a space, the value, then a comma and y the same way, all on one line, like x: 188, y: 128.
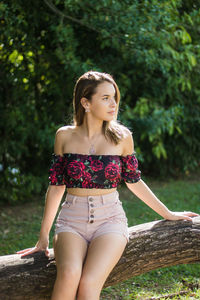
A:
x: 66, y: 198
x: 103, y: 199
x: 74, y: 199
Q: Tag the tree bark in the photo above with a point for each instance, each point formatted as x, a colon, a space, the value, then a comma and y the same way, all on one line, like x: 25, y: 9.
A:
x: 152, y: 245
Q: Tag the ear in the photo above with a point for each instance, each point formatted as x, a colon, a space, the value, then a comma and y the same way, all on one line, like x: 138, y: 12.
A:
x: 85, y: 103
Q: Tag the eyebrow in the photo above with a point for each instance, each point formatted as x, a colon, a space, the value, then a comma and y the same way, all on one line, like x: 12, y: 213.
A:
x: 107, y: 95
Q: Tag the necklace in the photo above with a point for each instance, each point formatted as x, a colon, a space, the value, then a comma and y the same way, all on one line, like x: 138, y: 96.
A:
x: 92, y: 148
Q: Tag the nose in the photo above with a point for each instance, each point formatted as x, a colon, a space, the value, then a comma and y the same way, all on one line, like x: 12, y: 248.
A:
x: 113, y: 102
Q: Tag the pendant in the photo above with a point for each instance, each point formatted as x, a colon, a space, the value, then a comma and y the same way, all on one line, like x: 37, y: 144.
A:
x: 92, y: 150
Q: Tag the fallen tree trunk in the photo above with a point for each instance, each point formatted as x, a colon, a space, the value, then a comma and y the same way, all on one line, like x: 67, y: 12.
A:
x: 152, y: 245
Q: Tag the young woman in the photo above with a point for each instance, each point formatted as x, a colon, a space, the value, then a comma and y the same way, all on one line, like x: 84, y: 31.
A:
x: 90, y: 158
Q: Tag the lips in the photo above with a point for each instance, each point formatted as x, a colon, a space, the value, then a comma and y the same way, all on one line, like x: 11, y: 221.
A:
x: 112, y: 111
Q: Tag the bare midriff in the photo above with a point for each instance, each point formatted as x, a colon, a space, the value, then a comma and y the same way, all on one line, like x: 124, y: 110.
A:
x: 89, y: 192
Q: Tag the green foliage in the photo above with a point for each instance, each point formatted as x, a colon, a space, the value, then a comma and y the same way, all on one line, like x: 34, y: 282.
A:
x: 150, y: 47
x: 155, y: 122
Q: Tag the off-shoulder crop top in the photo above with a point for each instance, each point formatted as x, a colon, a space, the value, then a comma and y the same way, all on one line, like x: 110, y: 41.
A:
x: 93, y: 171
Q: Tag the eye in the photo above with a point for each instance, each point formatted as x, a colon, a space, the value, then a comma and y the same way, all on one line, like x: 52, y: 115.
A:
x: 105, y: 98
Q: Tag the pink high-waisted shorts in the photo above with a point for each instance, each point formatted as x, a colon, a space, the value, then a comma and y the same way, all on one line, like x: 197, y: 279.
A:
x: 92, y: 216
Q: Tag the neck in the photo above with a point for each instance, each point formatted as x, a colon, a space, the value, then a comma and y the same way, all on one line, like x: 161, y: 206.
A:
x: 91, y: 130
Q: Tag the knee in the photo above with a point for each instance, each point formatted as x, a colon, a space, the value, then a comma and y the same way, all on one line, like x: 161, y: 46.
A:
x: 88, y: 285
x: 70, y: 273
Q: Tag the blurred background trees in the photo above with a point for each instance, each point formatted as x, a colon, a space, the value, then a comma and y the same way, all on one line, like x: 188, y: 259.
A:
x: 152, y: 50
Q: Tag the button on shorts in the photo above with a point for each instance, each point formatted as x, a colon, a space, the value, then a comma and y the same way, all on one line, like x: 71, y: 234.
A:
x: 92, y: 216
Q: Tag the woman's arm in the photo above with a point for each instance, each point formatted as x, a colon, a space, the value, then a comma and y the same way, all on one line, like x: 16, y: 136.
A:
x: 53, y: 198
x: 143, y: 192
x: 54, y: 192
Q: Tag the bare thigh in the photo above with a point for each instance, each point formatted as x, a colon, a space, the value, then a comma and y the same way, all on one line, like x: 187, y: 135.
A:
x: 103, y: 254
x: 70, y: 251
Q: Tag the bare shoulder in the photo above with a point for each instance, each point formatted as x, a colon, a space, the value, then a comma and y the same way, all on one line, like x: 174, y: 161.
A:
x: 127, y: 142
x: 65, y: 129
x: 62, y: 135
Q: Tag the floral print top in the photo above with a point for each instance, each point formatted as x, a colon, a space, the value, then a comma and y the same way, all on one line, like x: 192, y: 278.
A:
x: 93, y: 171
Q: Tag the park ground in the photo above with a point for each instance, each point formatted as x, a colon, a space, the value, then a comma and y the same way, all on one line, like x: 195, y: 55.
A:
x: 20, y: 226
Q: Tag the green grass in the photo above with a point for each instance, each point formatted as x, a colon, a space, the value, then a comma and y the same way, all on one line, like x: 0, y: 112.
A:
x: 20, y: 226
x: 177, y: 195
x: 166, y: 281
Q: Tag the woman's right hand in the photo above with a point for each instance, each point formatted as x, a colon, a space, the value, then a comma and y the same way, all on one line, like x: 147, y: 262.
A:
x: 41, y: 245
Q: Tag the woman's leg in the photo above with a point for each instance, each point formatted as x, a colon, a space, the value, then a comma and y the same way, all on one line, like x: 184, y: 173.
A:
x: 103, y: 254
x: 70, y: 250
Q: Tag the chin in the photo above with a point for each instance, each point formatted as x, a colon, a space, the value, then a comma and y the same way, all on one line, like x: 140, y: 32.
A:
x: 111, y: 116
x: 108, y: 119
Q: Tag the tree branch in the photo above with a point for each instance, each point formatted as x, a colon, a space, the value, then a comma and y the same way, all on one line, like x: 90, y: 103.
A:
x: 152, y: 245
x: 58, y: 12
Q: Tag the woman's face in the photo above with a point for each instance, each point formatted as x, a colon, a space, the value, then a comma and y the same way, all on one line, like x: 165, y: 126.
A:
x: 103, y: 104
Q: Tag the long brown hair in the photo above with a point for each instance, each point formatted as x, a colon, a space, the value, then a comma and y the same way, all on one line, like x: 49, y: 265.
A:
x: 86, y: 87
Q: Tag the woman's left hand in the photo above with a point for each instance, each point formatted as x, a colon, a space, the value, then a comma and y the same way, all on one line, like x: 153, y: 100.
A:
x: 185, y: 215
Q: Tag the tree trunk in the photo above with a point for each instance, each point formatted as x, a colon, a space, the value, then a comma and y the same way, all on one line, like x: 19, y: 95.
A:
x: 152, y: 245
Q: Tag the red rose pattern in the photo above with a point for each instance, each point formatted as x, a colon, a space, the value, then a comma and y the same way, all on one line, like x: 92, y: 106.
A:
x: 87, y: 180
x: 96, y: 165
x: 56, y: 170
x: 93, y: 171
x: 112, y: 172
x: 131, y: 163
x: 75, y: 169
x: 130, y: 172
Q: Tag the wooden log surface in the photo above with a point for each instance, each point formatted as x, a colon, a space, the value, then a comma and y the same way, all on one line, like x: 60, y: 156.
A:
x: 152, y: 245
